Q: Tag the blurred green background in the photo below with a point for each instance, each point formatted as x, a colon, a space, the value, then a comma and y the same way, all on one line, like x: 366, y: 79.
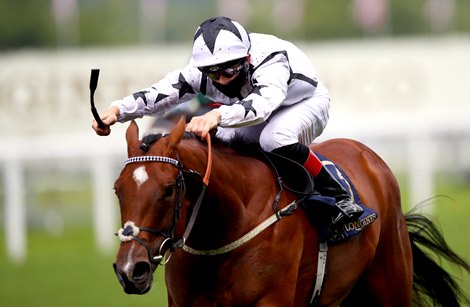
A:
x: 44, y: 100
x: 41, y: 23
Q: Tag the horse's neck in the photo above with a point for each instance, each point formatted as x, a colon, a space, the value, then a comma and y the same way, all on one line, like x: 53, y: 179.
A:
x: 236, y: 199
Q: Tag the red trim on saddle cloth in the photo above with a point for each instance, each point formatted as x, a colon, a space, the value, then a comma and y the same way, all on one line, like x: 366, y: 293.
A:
x: 214, y: 104
x: 313, y: 165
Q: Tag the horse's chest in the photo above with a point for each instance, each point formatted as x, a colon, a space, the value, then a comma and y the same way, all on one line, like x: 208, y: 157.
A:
x: 212, y: 284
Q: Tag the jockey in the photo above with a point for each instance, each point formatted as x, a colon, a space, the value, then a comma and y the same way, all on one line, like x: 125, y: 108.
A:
x: 268, y: 92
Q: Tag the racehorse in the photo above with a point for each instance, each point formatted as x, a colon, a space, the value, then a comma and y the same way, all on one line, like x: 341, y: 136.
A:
x: 206, y: 230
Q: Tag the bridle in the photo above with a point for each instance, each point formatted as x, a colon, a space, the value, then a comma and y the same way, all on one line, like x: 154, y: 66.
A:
x: 130, y: 231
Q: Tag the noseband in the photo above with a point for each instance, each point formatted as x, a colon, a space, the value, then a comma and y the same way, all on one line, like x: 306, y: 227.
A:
x: 130, y: 231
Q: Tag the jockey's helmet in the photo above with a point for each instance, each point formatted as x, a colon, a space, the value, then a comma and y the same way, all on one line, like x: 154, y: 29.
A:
x: 219, y: 40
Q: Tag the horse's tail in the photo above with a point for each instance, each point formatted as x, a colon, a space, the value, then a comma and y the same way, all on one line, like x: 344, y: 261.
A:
x: 432, y: 285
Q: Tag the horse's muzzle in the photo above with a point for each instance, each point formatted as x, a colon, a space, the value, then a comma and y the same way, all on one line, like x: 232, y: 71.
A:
x: 135, y: 278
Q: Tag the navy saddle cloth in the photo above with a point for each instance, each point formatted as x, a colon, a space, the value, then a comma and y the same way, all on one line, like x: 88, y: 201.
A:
x: 316, y: 203
x: 320, y: 208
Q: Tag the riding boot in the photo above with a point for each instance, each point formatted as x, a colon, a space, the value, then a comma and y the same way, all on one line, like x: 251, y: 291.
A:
x: 327, y: 185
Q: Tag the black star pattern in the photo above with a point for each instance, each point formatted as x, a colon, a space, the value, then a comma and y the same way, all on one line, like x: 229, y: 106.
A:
x: 160, y: 97
x: 256, y: 89
x: 141, y: 95
x: 248, y: 105
x: 183, y: 86
x: 210, y: 32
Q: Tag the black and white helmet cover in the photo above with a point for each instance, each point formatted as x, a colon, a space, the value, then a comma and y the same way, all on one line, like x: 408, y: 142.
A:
x: 219, y: 40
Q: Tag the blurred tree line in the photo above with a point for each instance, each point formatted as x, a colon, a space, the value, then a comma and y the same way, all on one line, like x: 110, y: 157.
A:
x: 74, y: 23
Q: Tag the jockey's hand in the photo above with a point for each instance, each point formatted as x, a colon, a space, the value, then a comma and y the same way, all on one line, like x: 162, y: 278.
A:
x: 201, y: 125
x: 109, y: 118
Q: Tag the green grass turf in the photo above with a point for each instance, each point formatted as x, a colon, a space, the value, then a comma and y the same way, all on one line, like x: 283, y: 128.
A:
x: 67, y: 270
x: 451, y: 213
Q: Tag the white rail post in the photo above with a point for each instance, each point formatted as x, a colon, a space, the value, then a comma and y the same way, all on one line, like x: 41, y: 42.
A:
x: 421, y: 153
x: 15, y: 211
x: 104, y: 208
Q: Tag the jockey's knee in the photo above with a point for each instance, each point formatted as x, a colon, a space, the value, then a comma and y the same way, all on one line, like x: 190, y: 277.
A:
x: 270, y: 140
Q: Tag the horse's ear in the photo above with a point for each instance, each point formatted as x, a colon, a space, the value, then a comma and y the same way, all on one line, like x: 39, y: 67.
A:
x: 177, y: 133
x: 132, y: 137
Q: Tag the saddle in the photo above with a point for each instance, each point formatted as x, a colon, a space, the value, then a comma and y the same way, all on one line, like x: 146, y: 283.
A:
x: 295, y: 178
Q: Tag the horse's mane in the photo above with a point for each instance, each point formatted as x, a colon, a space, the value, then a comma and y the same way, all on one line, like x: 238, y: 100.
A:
x: 238, y: 144
x: 149, y: 139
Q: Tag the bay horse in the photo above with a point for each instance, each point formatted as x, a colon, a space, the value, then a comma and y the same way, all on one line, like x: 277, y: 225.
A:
x: 225, y: 262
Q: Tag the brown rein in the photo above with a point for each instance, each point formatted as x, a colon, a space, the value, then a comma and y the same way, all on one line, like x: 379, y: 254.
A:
x: 209, y: 161
x: 205, y: 180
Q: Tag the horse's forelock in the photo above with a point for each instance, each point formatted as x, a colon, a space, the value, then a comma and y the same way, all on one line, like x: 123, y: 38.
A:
x: 152, y: 138
x: 188, y: 135
x: 148, y: 140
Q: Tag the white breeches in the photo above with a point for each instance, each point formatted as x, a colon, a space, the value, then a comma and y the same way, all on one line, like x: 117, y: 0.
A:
x: 301, y: 122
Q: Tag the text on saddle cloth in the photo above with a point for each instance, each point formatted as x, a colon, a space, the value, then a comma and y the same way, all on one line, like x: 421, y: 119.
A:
x: 351, y: 228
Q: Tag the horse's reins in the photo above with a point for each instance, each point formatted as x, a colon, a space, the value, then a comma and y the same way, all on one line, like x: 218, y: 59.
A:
x: 197, y: 205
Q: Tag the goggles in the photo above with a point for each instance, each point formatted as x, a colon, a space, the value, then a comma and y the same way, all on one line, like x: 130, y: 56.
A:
x: 228, y: 70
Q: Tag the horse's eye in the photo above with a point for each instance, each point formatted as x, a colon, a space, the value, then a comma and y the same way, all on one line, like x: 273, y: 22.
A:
x: 169, y: 190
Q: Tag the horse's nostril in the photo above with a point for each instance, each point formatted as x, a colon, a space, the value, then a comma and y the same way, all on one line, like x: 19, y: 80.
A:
x: 141, y: 271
